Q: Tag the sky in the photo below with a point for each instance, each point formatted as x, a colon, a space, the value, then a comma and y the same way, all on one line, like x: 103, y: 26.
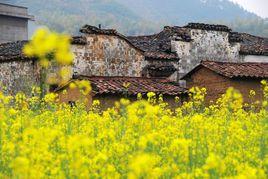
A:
x: 259, y: 7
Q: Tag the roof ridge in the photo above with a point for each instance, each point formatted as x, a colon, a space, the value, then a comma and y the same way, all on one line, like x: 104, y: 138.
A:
x: 14, y: 42
x: 137, y: 85
x: 127, y: 77
x: 256, y: 36
x: 137, y: 36
x: 89, y: 29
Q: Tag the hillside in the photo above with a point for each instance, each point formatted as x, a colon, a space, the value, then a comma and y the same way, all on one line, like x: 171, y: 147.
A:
x: 141, y: 16
x: 69, y: 16
x: 175, y: 11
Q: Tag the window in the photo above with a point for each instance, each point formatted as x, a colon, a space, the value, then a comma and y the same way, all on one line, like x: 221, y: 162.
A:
x: 53, y: 87
x: 72, y: 104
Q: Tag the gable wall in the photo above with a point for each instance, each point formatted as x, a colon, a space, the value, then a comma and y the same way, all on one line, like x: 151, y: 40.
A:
x: 106, y: 55
x: 206, y: 45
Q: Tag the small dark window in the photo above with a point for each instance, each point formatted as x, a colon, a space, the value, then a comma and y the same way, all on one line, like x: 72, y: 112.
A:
x: 53, y: 87
x: 72, y: 104
x: 190, y: 79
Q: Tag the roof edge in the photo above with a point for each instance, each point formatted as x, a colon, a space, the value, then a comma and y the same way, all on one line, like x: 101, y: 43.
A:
x: 88, y: 29
x: 202, y: 64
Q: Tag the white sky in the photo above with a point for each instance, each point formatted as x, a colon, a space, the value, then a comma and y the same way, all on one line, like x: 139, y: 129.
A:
x: 260, y: 7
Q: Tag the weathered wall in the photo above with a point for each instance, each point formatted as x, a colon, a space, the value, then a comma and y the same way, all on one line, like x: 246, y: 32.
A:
x: 217, y: 85
x: 205, y: 45
x: 106, y: 55
x: 13, y: 29
x: 19, y: 76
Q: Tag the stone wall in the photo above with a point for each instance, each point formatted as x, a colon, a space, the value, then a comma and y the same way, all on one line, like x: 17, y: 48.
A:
x: 205, y: 45
x: 19, y: 76
x: 107, y: 55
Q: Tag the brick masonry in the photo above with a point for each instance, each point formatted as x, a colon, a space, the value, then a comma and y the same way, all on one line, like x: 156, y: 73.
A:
x: 217, y: 85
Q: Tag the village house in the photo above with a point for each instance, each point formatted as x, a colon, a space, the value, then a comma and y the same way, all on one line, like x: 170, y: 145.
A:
x: 108, y: 89
x: 147, y: 63
x: 105, y: 57
x: 110, y: 61
x: 197, y: 41
x: 18, y: 73
x: 13, y: 23
x: 109, y: 53
x: 217, y: 77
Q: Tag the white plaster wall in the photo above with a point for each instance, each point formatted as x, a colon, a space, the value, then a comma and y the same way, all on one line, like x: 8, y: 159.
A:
x: 206, y: 45
x: 181, y: 48
x: 255, y: 58
x: 80, y: 65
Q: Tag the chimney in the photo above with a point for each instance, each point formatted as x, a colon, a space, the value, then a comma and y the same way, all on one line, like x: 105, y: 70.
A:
x: 99, y: 26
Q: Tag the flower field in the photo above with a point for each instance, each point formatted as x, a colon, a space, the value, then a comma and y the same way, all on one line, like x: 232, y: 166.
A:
x: 41, y: 138
x: 144, y: 139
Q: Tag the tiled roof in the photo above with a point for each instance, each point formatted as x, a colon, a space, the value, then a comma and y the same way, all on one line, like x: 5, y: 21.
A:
x: 253, y: 45
x: 235, y: 37
x: 203, y: 26
x: 235, y: 70
x: 250, y: 45
x: 14, y: 50
x: 88, y: 29
x: 161, y: 70
x: 161, y: 55
x: 117, y: 85
x: 158, y: 46
x: 79, y: 40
